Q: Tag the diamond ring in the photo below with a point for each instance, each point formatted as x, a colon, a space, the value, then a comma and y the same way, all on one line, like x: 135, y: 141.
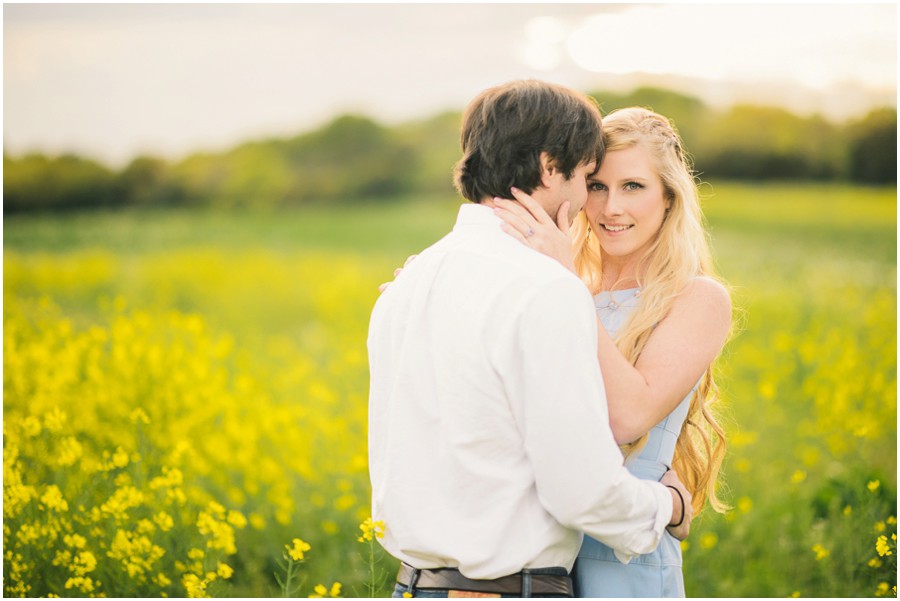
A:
x: 529, y: 233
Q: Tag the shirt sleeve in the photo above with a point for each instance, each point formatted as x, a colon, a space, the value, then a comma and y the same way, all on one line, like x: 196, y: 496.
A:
x: 557, y: 393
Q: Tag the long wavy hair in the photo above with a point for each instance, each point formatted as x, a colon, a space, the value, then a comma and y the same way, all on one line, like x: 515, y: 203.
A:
x: 678, y: 254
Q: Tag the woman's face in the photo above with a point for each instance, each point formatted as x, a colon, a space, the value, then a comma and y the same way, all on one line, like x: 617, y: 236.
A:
x: 626, y: 202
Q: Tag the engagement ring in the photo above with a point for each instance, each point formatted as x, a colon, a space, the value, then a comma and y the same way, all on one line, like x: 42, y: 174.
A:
x: 529, y: 233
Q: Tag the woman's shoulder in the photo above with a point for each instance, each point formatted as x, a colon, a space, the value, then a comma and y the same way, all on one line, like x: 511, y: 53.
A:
x: 707, y: 285
x: 706, y: 295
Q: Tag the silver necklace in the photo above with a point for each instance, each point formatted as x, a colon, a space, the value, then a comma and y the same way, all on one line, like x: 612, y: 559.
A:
x: 612, y: 305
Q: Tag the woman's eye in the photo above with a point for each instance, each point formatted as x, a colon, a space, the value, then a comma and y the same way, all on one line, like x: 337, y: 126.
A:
x: 632, y: 186
x: 596, y: 187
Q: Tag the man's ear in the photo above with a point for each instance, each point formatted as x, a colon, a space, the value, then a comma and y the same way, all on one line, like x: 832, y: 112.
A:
x: 548, y: 170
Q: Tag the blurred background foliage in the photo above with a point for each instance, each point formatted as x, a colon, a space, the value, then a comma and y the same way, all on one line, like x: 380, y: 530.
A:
x: 355, y: 157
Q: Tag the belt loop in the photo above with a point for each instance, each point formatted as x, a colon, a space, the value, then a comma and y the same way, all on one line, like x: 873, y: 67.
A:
x: 526, y: 583
x: 413, y: 579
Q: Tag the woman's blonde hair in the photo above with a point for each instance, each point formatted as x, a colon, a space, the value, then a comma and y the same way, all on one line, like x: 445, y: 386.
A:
x: 678, y: 254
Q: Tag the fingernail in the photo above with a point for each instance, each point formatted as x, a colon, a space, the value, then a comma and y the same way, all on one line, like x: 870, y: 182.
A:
x: 514, y: 189
x: 498, y: 199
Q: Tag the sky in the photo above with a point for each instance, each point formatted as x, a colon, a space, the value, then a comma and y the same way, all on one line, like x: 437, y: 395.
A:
x: 114, y: 81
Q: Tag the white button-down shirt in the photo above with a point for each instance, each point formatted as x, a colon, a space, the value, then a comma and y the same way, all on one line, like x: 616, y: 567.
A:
x: 489, y: 441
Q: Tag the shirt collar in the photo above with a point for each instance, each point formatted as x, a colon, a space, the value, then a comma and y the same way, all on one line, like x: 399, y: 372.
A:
x: 476, y: 215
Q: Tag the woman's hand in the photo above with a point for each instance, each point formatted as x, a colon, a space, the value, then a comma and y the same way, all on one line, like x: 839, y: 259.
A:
x: 397, y: 271
x: 528, y: 222
x: 682, y: 508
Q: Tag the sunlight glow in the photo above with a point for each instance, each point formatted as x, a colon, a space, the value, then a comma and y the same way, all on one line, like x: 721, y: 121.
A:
x: 543, y: 38
x: 742, y: 42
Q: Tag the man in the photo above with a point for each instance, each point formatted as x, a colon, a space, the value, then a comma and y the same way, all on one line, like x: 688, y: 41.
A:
x: 489, y: 442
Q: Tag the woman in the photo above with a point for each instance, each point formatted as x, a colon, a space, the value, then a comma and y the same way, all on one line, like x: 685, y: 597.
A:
x: 641, y: 248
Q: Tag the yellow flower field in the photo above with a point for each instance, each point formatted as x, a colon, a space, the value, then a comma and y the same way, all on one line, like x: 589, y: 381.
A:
x: 186, y: 416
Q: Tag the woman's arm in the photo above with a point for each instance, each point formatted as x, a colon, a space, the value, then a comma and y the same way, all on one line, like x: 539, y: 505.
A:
x: 679, y: 350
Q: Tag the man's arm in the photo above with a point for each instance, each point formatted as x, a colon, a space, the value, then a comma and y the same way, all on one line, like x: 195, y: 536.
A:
x: 579, y: 472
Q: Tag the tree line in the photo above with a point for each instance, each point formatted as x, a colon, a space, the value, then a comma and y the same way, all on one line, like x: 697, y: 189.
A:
x: 355, y: 157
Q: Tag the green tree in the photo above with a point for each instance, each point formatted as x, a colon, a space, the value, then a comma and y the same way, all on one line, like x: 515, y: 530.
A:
x: 148, y: 181
x: 36, y: 182
x: 873, y: 148
x: 689, y: 114
x: 762, y: 142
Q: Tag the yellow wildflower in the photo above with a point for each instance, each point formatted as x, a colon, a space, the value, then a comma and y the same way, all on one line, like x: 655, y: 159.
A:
x: 196, y: 554
x: 70, y: 451
x: 221, y: 534
x: 798, y: 477
x: 82, y: 583
x: 879, y: 527
x: 84, y: 562
x: 709, y: 540
x: 75, y: 540
x: 322, y: 591
x: 848, y: 510
x: 881, y: 545
x: 745, y: 504
x: 194, y: 587
x: 53, y: 499
x: 145, y: 526
x: 31, y: 426
x: 892, y: 520
x: 162, y: 580
x: 882, y: 590
x: 171, y: 477
x: 62, y: 558
x: 257, y: 521
x: 54, y: 420
x: 407, y: 595
x: 875, y: 563
x: 120, y: 458
x: 164, y: 521
x: 236, y: 519
x: 28, y: 534
x: 139, y: 415
x: 371, y: 529
x: 299, y: 548
x: 330, y: 527
x: 224, y: 570
x: 216, y: 510
x: 873, y: 485
x: 820, y: 551
x: 16, y: 497
x: 121, y: 501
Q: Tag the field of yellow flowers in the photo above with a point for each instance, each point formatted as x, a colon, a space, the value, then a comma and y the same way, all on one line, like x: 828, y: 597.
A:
x: 185, y: 398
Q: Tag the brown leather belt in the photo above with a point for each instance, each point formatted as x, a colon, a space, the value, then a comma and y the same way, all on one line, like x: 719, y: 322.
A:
x: 528, y: 582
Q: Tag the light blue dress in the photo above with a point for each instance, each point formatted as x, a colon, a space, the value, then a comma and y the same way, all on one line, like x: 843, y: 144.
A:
x: 658, y: 574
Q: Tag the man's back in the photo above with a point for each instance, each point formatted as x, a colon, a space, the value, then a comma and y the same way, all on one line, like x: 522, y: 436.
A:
x: 482, y: 357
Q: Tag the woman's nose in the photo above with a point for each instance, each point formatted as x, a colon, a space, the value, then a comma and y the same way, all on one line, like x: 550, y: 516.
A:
x: 613, y: 205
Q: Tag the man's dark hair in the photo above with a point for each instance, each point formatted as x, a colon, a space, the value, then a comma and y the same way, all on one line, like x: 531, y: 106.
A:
x: 506, y: 128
